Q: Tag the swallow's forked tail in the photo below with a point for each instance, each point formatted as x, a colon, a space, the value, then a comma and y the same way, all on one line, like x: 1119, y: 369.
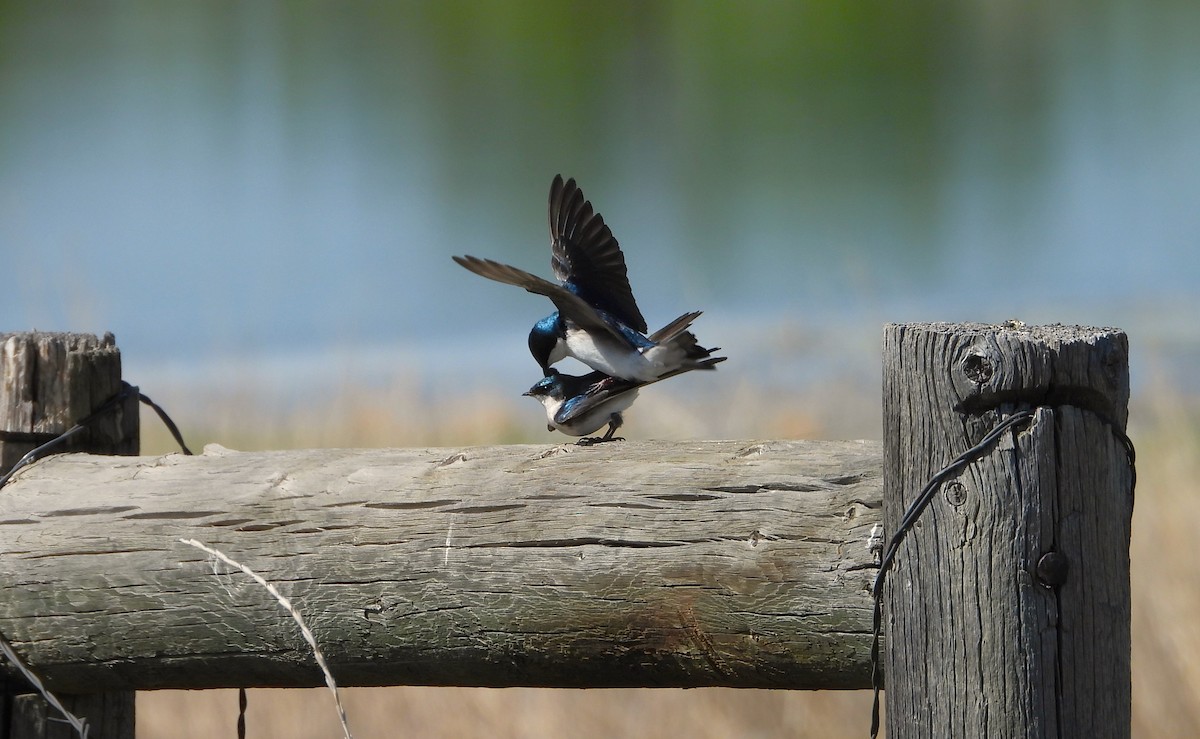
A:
x: 674, y: 328
x: 676, y: 348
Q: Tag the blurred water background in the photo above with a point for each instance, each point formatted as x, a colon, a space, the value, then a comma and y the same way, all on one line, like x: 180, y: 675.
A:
x: 267, y: 194
x: 260, y: 199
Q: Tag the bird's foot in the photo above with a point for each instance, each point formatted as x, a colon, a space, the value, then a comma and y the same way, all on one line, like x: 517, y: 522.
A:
x: 593, y: 440
x: 603, y: 384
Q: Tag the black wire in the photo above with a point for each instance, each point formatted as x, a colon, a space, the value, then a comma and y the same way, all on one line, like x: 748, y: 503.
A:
x: 37, y: 453
x: 241, y: 722
x: 40, y: 451
x: 106, y: 407
x: 166, y: 422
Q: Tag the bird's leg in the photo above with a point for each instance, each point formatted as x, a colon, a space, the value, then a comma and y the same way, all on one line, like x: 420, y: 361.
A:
x: 614, y: 423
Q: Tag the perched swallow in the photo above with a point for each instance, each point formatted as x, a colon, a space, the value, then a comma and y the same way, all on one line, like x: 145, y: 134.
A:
x: 598, y: 321
x: 579, y: 405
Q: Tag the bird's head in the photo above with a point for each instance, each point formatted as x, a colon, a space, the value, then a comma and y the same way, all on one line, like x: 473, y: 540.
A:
x: 544, y: 340
x: 550, y: 386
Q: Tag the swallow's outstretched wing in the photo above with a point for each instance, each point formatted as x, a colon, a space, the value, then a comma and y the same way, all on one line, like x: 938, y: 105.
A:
x: 586, y: 257
x: 568, y: 303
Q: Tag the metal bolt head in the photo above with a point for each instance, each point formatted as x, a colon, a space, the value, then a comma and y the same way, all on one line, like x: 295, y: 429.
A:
x: 1052, y: 569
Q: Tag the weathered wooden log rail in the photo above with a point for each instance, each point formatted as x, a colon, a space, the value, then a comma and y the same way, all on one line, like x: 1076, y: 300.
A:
x: 731, y: 563
x: 643, y: 563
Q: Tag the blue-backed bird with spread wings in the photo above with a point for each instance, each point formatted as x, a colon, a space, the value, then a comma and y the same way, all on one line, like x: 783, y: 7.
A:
x: 598, y: 321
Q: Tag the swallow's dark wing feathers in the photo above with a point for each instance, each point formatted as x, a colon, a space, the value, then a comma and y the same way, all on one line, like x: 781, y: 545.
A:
x: 674, y: 328
x: 590, y: 390
x: 564, y: 299
x: 586, y: 257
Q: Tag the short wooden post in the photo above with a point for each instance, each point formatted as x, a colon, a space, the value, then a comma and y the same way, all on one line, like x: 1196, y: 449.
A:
x: 1007, y: 609
x: 48, y: 382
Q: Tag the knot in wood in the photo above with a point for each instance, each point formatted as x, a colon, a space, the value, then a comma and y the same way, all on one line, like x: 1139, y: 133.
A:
x: 956, y: 493
x: 978, y: 368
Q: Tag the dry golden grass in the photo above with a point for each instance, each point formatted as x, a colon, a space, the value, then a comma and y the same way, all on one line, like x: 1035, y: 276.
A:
x: 1164, y: 553
x: 512, y: 713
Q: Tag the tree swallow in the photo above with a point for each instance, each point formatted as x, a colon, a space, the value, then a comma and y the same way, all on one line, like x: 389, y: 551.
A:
x: 579, y: 405
x: 598, y: 321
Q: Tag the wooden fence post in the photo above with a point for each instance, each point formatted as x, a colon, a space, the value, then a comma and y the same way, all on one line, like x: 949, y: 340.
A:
x: 48, y: 382
x: 1007, y: 608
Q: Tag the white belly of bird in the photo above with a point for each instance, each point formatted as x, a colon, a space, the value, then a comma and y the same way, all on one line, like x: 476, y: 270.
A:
x: 615, y: 359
